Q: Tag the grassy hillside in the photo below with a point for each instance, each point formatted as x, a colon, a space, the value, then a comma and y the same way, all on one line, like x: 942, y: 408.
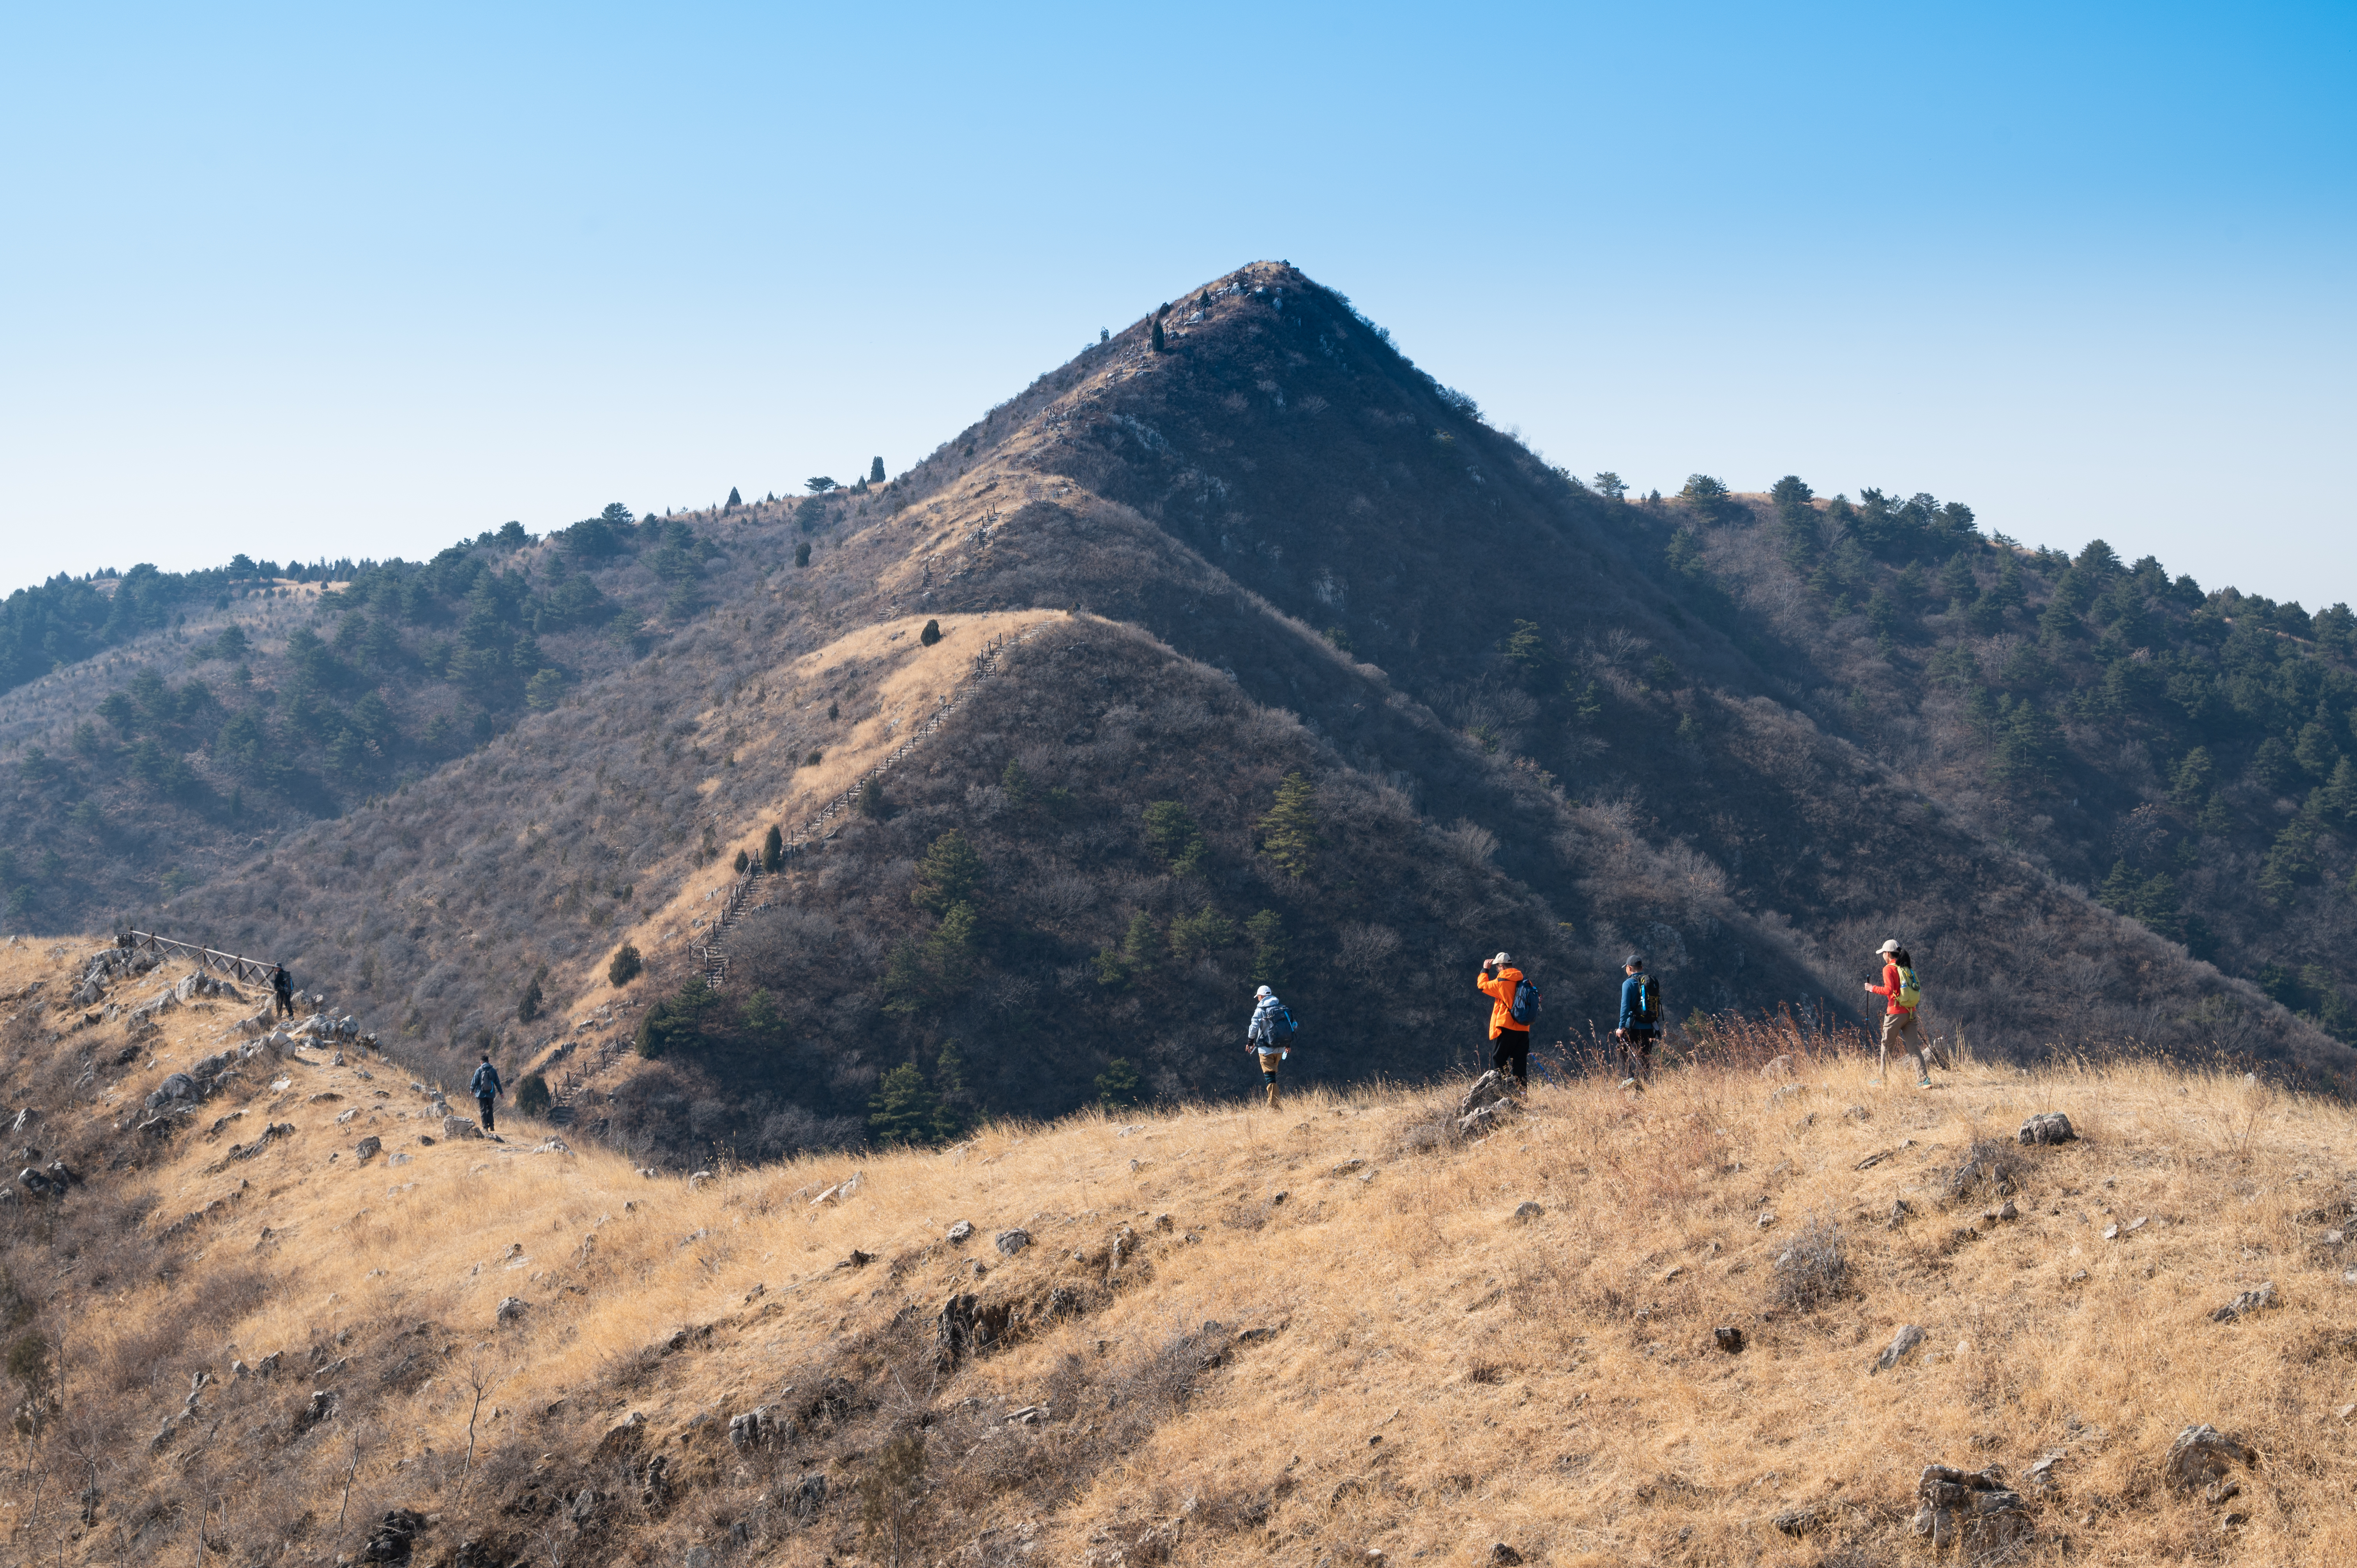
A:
x: 1527, y: 714
x: 1235, y: 1334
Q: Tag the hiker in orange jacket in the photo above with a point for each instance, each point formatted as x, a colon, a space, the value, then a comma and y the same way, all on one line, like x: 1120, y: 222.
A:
x: 1898, y: 1024
x: 1512, y: 1041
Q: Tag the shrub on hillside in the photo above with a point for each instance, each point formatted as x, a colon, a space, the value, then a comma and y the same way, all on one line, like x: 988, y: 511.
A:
x: 532, y: 1094
x: 1814, y: 1268
x: 625, y: 967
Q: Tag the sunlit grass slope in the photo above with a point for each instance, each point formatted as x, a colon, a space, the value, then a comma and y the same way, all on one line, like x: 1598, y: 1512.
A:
x: 1235, y: 1336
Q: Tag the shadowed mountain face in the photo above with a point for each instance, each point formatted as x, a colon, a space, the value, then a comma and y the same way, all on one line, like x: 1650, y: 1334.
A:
x: 1520, y: 714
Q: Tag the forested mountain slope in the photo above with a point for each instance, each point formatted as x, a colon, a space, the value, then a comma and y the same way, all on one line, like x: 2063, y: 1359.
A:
x: 1252, y: 544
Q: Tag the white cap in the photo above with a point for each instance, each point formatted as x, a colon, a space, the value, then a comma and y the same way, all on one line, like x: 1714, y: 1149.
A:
x: 1264, y: 991
x: 1501, y: 959
x: 1888, y: 947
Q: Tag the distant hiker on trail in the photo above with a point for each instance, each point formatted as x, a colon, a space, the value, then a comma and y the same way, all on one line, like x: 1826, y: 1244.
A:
x: 1640, y: 1019
x: 1513, y: 1008
x: 282, y: 985
x: 1269, y: 1036
x: 485, y: 1085
x: 1899, y: 1025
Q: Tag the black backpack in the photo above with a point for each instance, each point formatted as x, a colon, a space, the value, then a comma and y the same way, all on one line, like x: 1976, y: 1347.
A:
x: 1648, y: 1002
x: 1527, y: 1002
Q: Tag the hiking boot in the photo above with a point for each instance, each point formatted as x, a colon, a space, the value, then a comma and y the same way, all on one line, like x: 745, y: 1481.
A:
x: 1924, y: 1084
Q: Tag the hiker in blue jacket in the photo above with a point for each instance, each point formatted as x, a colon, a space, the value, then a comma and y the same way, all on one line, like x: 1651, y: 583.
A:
x: 1269, y: 1036
x: 485, y: 1085
x: 1641, y: 1018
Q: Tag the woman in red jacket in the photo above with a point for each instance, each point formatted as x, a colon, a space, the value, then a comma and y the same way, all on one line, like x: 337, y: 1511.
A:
x: 1899, y: 1026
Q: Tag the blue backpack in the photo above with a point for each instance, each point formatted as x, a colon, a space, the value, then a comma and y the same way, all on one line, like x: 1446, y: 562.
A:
x: 1526, y: 1010
x: 1281, y: 1025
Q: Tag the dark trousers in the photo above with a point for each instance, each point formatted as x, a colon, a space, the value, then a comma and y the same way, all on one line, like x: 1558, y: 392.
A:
x: 483, y: 1102
x: 1513, y: 1054
x: 286, y: 1005
x: 1637, y: 1051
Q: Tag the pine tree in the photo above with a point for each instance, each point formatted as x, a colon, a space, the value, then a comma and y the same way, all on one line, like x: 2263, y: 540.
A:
x: 1172, y: 833
x: 625, y: 967
x: 947, y: 875
x: 734, y: 501
x: 871, y: 798
x: 744, y: 862
x: 876, y: 470
x: 801, y: 553
x: 1139, y: 945
x: 903, y: 1108
x: 1119, y: 1085
x: 1266, y: 930
x: 931, y: 634
x: 2120, y: 888
x: 773, y: 849
x: 950, y: 1097
x: 2191, y: 783
x: 1290, y: 831
x: 2023, y: 760
x: 2338, y: 798
x: 1157, y: 336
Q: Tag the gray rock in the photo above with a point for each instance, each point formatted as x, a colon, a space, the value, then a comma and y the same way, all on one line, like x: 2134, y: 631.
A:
x: 1504, y: 1556
x: 697, y: 1557
x: 1728, y: 1340
x: 1901, y: 1343
x: 809, y: 1495
x: 1491, y: 1088
x: 366, y: 1148
x: 1971, y: 1510
x: 1527, y: 1212
x: 1010, y: 1243
x: 697, y: 1179
x: 460, y: 1127
x: 2250, y: 1301
x: 176, y: 1086
x: 1487, y: 1120
x: 752, y: 1429
x: 2204, y: 1456
x: 512, y: 1309
x: 1796, y: 1522
x: 2047, y: 1127
x: 960, y: 1233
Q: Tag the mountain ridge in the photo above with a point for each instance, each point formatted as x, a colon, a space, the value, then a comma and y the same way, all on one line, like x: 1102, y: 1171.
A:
x: 1274, y: 465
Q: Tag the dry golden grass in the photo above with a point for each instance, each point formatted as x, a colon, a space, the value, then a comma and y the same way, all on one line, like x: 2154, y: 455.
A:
x: 1439, y: 1375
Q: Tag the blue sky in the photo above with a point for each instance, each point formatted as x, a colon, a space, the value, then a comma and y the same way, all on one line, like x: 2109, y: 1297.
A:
x: 351, y: 280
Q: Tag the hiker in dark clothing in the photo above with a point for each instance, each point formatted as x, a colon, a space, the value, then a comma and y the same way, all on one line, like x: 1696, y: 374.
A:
x: 282, y: 985
x: 1640, y: 1019
x: 485, y: 1085
x: 1510, y: 1038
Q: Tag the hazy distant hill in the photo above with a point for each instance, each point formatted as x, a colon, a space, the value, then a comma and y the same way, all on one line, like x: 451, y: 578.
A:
x: 1750, y: 737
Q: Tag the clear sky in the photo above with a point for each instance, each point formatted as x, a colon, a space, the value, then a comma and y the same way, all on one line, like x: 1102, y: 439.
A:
x: 330, y: 280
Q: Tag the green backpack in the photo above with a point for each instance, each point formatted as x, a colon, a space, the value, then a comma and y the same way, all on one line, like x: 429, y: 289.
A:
x: 1910, y: 996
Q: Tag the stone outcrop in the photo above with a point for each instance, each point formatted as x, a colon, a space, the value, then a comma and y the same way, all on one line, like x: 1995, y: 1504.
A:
x: 1489, y: 1104
x: 1972, y: 1510
x: 1901, y: 1344
x: 2047, y: 1127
